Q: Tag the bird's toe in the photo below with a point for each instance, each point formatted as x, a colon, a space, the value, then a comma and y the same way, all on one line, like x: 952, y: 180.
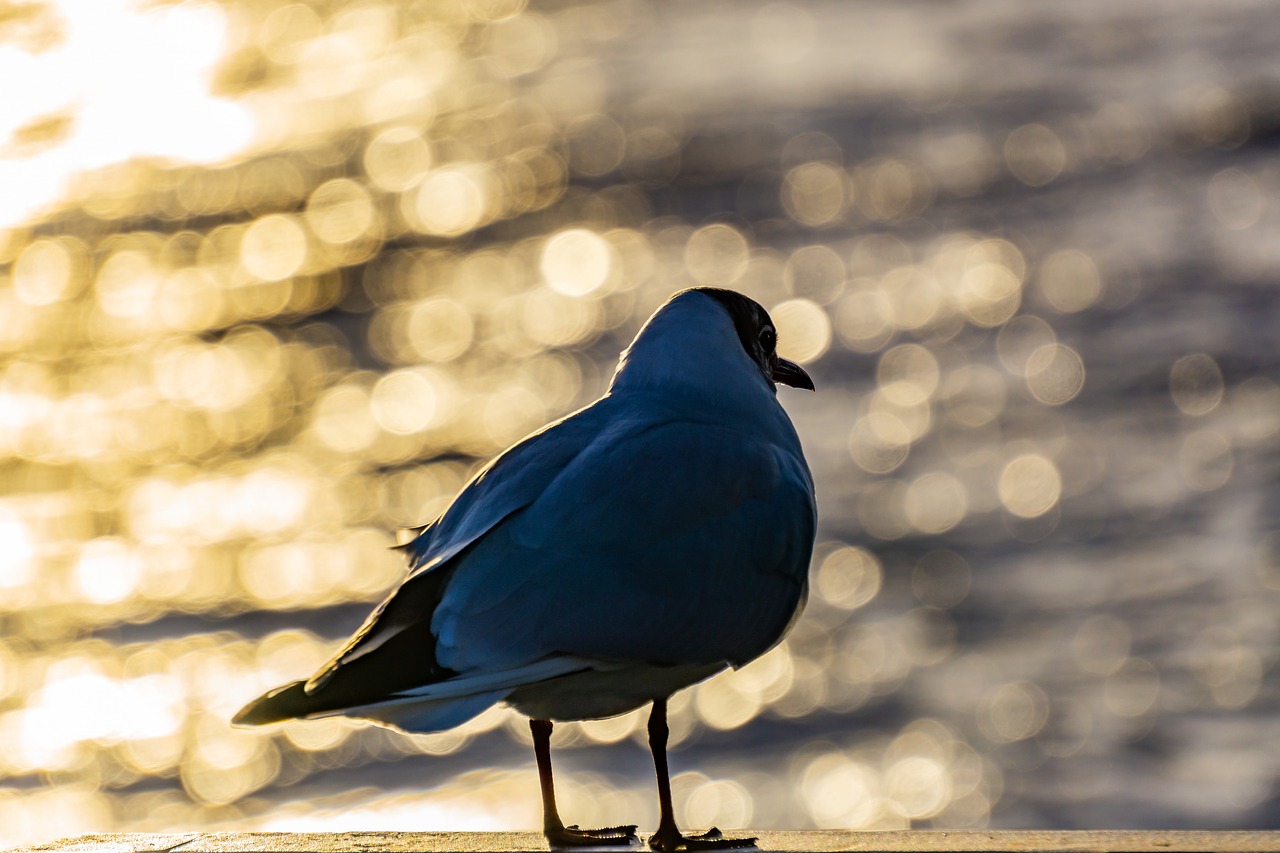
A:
x: 712, y: 839
x: 575, y: 836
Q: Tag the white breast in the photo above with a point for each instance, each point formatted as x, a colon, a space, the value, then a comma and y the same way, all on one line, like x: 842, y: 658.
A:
x: 599, y: 693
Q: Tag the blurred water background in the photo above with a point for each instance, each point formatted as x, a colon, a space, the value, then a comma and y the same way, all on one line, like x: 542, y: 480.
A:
x: 276, y: 276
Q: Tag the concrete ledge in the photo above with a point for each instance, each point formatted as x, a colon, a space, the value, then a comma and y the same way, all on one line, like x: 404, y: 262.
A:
x: 923, y: 841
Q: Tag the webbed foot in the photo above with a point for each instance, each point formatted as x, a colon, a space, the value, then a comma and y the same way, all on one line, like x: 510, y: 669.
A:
x: 671, y: 841
x: 573, y: 836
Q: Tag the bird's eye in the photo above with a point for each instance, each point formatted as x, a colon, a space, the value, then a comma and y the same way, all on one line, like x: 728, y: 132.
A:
x: 768, y: 338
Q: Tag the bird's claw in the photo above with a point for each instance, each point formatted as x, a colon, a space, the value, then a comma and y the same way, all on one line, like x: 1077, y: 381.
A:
x: 712, y: 839
x: 575, y: 836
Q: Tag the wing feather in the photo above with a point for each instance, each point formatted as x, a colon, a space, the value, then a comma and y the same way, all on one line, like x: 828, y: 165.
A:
x: 700, y: 534
x: 402, y: 622
x: 556, y: 551
x: 506, y: 484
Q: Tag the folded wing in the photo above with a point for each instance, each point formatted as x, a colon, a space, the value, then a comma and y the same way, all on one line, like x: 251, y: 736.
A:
x: 676, y: 543
x: 395, y: 649
x: 655, y: 541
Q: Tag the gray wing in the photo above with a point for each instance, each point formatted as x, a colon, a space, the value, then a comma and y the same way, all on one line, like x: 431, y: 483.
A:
x: 680, y: 543
x: 402, y: 622
x: 509, y: 482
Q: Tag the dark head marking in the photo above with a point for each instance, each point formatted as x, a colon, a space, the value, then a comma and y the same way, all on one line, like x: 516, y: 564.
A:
x: 759, y: 337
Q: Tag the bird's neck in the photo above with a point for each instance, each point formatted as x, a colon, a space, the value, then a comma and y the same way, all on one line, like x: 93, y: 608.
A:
x: 688, y: 359
x: 720, y: 384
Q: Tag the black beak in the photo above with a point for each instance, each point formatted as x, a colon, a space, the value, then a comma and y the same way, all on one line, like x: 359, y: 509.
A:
x: 790, y: 373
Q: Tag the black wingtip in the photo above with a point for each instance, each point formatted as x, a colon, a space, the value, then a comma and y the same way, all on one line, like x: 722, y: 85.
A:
x: 415, y: 533
x: 282, y: 703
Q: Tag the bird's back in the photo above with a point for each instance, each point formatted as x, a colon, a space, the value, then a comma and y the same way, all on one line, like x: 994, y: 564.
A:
x: 672, y: 541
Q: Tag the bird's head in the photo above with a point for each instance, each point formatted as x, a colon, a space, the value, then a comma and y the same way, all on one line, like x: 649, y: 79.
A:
x: 700, y: 337
x: 759, y: 337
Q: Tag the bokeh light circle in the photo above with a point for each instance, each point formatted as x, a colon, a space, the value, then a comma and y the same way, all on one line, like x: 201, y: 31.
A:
x: 804, y: 330
x: 1030, y: 485
x: 576, y: 262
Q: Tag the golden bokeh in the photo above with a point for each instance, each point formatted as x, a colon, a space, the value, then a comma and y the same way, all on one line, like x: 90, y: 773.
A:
x: 848, y: 577
x: 804, y: 332
x: 716, y: 255
x: 576, y: 262
x: 276, y: 278
x: 815, y: 193
x: 1055, y: 374
x: 1030, y: 485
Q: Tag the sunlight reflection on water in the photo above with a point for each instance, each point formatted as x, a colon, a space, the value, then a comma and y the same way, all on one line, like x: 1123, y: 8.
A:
x: 1037, y: 306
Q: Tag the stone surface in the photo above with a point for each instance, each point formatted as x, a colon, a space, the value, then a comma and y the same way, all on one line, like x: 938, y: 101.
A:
x: 825, y: 841
x: 122, y: 842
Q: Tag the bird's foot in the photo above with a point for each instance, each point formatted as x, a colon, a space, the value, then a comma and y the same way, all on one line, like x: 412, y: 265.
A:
x: 671, y: 841
x: 573, y: 836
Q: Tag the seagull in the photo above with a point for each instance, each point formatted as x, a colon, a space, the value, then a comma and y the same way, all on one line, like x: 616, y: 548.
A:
x: 638, y: 546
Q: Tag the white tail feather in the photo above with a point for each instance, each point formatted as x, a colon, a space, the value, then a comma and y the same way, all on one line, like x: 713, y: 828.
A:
x: 445, y: 704
x: 431, y: 715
